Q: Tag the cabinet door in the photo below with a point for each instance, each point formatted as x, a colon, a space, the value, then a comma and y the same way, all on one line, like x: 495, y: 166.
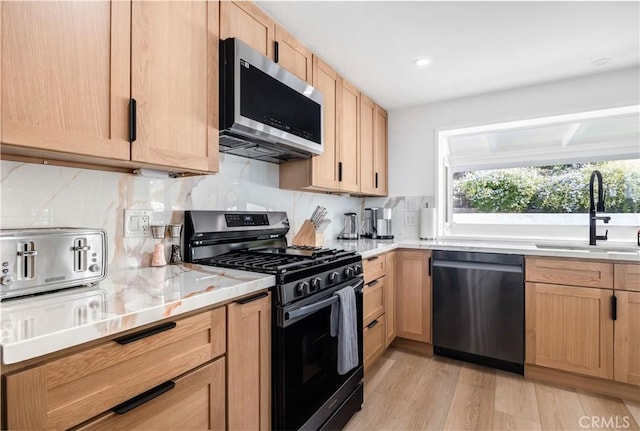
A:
x: 390, y: 297
x: 627, y: 338
x: 569, y: 328
x: 249, y: 363
x: 413, y: 296
x: 348, y: 168
x: 324, y: 167
x: 65, y: 77
x: 380, y: 152
x: 247, y: 22
x: 174, y: 80
x: 367, y: 145
x: 292, y: 55
x: 373, y: 335
x: 196, y: 402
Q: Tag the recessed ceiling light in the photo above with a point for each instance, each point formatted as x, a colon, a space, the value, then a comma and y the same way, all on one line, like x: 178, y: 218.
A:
x: 421, y: 62
x: 601, y: 61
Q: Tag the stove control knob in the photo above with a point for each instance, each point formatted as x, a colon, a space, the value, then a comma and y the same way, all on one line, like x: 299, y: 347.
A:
x: 302, y: 288
x: 6, y: 280
x: 94, y: 268
x: 348, y: 272
x: 334, y: 277
x: 358, y: 269
x: 315, y: 284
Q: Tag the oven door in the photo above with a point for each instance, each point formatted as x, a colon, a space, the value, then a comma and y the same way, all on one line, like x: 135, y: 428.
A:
x: 307, y: 386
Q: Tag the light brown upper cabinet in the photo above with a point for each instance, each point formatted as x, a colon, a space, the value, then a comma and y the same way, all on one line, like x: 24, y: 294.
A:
x: 380, y: 177
x: 292, y: 55
x: 373, y: 148
x: 247, y: 22
x: 67, y: 88
x: 174, y: 81
x: 349, y: 148
x: 319, y: 172
x: 65, y: 77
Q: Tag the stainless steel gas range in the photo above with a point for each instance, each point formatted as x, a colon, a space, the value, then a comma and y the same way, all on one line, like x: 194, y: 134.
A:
x: 308, y: 390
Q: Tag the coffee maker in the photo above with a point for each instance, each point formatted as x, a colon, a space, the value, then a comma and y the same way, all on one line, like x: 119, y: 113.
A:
x: 377, y: 223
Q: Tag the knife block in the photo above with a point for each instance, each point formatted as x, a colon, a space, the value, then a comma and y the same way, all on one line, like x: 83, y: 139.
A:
x: 307, y: 236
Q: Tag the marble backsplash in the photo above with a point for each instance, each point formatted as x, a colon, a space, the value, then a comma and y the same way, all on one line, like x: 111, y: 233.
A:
x: 50, y: 196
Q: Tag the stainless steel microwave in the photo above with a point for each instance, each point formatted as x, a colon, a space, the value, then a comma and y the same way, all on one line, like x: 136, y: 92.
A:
x: 266, y: 112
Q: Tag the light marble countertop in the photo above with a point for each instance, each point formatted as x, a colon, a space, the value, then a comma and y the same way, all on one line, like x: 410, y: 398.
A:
x: 370, y: 247
x: 128, y: 299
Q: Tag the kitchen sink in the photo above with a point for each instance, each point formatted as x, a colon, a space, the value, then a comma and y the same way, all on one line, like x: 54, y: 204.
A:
x: 600, y: 248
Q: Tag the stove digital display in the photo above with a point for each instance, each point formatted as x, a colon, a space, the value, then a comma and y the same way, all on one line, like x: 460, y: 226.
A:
x: 240, y: 220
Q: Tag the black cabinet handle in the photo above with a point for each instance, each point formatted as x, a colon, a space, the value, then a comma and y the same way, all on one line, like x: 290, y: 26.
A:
x: 372, y: 324
x: 144, y: 397
x: 276, y: 51
x: 133, y: 107
x: 371, y: 259
x: 252, y: 298
x: 376, y: 180
x: 373, y: 283
x: 430, y: 264
x: 339, y: 171
x: 614, y: 308
x: 146, y: 333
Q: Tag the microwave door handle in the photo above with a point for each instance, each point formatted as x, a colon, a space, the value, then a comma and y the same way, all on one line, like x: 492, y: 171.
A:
x: 310, y: 309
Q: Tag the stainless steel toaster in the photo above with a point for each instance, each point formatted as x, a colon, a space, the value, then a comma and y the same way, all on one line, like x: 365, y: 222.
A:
x: 47, y: 259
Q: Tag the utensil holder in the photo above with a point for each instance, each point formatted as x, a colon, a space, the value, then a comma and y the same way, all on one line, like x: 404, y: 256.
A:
x: 307, y: 236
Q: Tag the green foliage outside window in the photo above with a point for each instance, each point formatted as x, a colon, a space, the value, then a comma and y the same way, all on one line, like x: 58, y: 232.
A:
x: 548, y: 189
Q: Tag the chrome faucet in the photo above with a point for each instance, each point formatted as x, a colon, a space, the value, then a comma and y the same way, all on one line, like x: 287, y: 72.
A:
x: 596, y: 207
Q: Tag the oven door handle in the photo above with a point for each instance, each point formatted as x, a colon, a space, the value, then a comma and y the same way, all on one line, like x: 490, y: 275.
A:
x: 310, y: 309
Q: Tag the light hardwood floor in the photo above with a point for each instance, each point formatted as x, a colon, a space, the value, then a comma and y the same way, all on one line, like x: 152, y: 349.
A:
x: 406, y: 391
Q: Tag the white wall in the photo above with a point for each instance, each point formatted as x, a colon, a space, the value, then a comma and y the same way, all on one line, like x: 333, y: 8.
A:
x: 412, y: 131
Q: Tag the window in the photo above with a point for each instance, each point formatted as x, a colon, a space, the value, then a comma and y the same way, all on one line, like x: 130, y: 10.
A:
x: 495, y: 180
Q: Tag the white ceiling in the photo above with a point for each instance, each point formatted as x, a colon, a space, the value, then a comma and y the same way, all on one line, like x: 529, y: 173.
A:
x: 475, y: 47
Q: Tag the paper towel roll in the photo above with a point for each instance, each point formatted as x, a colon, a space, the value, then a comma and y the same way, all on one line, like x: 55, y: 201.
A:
x: 427, y: 223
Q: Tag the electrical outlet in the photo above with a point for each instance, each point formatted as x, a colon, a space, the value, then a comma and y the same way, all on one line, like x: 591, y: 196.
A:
x: 136, y: 223
x: 410, y: 218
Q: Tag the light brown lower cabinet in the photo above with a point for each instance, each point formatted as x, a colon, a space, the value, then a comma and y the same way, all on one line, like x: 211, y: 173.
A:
x: 68, y: 391
x: 249, y: 363
x: 569, y: 328
x: 373, y: 299
x: 374, y: 335
x: 196, y: 402
x: 390, y: 297
x: 413, y: 295
x: 627, y: 338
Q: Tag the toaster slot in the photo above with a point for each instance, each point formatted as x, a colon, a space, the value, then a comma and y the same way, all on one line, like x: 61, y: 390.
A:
x: 80, y: 254
x: 27, y: 260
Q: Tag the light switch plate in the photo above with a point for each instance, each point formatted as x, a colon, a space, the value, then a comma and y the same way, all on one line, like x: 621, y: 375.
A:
x: 136, y: 223
x: 410, y: 204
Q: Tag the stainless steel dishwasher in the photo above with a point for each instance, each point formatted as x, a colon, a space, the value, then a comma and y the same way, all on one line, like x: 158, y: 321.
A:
x: 478, y: 308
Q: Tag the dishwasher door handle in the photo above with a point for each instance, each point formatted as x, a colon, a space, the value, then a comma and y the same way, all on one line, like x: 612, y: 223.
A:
x: 477, y: 265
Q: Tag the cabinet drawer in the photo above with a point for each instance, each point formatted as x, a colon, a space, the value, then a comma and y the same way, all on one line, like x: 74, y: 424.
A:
x: 570, y: 272
x: 373, y: 267
x: 627, y: 276
x: 70, y: 390
x: 374, y: 335
x: 197, y: 401
x: 373, y: 300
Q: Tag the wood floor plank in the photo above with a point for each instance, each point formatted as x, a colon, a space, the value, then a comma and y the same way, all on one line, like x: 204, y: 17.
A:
x: 377, y: 373
x: 471, y: 407
x: 516, y: 396
x: 560, y: 409
x: 607, y: 413
x: 506, y: 422
x: 634, y: 409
